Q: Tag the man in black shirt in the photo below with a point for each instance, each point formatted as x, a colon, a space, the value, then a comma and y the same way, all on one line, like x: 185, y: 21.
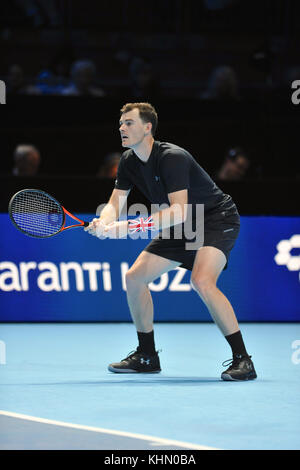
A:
x: 168, y: 175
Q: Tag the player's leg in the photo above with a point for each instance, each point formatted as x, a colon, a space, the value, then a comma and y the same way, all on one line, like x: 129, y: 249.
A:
x: 145, y: 269
x: 208, y: 265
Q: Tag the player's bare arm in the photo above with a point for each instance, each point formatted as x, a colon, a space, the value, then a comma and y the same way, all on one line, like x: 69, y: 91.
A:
x: 173, y: 215
x: 176, y: 213
x: 110, y: 212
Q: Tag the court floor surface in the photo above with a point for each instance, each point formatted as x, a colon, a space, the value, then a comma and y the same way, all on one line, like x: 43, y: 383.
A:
x: 56, y: 391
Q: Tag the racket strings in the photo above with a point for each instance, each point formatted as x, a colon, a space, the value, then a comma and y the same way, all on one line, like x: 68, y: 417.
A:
x: 36, y: 213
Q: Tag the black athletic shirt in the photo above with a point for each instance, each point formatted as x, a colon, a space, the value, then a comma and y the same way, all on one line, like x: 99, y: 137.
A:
x: 170, y: 168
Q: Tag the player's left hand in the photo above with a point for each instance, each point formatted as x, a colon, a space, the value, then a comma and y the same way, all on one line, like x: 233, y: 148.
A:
x: 96, y: 228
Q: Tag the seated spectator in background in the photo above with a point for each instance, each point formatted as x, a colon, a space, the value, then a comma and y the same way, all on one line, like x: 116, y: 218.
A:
x: 54, y: 78
x: 215, y: 5
x: 26, y: 160
x: 223, y: 85
x: 234, y: 167
x: 16, y: 83
x: 83, y: 74
x: 109, y: 167
x: 290, y: 74
x: 45, y: 82
x: 41, y: 12
x: 143, y: 82
x: 60, y: 66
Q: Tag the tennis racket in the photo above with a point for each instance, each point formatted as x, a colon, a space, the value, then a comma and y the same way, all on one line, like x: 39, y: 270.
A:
x: 39, y: 215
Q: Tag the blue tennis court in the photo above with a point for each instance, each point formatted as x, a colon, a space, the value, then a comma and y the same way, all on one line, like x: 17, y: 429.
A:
x: 56, y: 391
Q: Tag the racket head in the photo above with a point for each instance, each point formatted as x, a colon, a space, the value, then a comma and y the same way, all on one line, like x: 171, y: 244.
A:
x: 35, y: 213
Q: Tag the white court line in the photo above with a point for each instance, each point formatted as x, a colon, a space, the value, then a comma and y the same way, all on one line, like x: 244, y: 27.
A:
x: 153, y: 440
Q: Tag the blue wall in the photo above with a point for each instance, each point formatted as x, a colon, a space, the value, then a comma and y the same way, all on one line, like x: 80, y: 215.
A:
x: 258, y: 288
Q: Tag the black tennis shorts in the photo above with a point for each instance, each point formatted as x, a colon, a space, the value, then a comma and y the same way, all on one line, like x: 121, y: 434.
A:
x: 221, y: 230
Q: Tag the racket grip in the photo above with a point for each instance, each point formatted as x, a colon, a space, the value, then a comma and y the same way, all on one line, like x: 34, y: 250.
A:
x: 85, y: 224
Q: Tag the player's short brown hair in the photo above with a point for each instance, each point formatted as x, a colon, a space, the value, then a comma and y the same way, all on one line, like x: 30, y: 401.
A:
x: 147, y: 113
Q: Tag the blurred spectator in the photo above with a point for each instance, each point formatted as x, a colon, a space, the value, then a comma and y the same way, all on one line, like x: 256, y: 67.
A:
x: 26, y: 160
x: 290, y: 74
x: 143, y: 82
x: 53, y: 79
x: 41, y: 12
x: 215, y: 5
x: 49, y: 84
x: 61, y: 64
x: 109, y: 167
x: 223, y: 85
x: 45, y: 82
x: 83, y: 73
x: 234, y: 167
x: 16, y: 83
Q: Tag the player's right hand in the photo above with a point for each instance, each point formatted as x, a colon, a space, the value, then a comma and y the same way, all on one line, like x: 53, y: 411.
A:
x: 96, y: 228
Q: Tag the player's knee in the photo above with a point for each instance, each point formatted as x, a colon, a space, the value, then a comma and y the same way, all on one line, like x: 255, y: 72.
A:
x: 133, y: 279
x: 202, y: 284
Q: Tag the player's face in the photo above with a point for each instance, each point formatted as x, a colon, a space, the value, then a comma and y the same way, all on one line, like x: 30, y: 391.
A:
x: 238, y: 168
x: 132, y: 129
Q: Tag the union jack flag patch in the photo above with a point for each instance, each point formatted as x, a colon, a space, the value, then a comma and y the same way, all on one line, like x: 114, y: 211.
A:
x: 141, y: 225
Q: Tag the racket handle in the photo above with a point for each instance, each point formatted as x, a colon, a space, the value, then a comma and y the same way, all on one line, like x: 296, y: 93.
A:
x: 85, y: 224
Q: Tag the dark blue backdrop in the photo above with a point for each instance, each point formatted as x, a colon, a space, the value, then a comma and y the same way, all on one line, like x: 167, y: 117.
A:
x: 37, y: 283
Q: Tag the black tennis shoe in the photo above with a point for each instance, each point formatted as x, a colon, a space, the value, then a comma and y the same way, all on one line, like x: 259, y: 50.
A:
x: 135, y: 362
x: 240, y: 368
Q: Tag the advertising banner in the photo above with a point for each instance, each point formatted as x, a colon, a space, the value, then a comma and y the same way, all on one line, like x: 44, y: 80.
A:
x: 74, y: 277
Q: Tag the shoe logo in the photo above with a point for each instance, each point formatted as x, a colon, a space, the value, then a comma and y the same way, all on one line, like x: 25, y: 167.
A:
x: 157, y: 178
x: 145, y: 361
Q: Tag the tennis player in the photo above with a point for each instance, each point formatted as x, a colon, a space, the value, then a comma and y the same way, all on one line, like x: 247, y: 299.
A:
x: 167, y: 174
